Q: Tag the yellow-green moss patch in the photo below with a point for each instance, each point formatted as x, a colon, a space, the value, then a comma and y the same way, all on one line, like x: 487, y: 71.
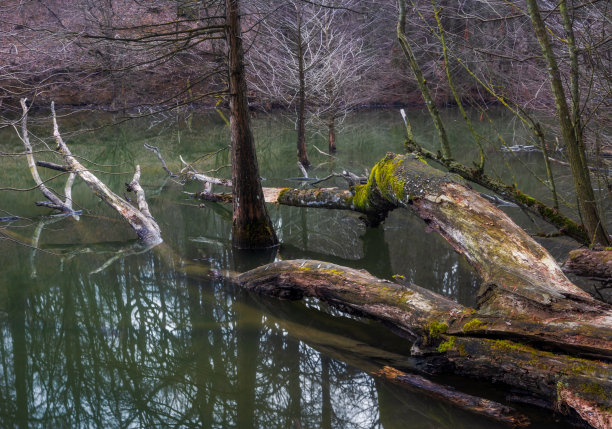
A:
x: 447, y: 345
x: 474, y: 325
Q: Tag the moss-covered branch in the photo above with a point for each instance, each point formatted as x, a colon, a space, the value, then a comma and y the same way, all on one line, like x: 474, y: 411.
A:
x: 551, y: 215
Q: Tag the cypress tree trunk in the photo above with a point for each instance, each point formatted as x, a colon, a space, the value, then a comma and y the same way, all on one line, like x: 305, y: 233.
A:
x: 251, y: 227
x: 331, y: 126
x: 301, y: 124
x: 572, y: 135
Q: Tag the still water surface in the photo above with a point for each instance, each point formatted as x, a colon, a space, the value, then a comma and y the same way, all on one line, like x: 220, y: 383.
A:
x: 97, y: 332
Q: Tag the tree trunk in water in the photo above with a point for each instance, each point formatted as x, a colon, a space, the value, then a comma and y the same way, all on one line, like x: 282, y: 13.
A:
x: 251, y: 226
x: 331, y: 126
x: 532, y: 328
x: 593, y: 264
x: 301, y: 120
x: 572, y: 135
x: 447, y: 335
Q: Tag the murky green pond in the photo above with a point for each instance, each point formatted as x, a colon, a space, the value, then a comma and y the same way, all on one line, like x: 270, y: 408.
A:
x: 97, y: 332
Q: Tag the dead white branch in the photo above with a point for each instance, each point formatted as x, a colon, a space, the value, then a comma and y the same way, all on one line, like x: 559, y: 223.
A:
x: 139, y: 219
x: 54, y: 201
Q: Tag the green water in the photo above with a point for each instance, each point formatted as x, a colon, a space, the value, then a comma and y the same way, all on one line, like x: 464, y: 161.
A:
x: 97, y: 332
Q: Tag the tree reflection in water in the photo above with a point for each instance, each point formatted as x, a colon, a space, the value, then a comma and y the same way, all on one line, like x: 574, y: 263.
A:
x: 149, y: 340
x: 138, y: 345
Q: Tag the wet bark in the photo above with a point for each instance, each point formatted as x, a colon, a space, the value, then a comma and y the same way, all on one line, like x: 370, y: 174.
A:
x: 448, y: 336
x: 301, y: 119
x: 532, y: 327
x: 592, y: 264
x: 251, y: 225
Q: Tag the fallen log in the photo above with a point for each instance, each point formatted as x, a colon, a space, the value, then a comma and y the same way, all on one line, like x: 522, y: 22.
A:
x: 532, y: 327
x: 345, y: 340
x: 520, y: 279
x: 490, y: 409
x: 564, y: 381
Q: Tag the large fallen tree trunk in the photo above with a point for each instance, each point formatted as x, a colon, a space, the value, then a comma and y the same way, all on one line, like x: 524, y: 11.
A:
x: 532, y: 326
x: 447, y: 335
x: 520, y: 278
x: 364, y: 348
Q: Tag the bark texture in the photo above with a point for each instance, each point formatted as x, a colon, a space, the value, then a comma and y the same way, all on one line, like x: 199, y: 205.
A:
x: 593, y: 264
x: 447, y: 336
x: 251, y: 226
x: 532, y: 328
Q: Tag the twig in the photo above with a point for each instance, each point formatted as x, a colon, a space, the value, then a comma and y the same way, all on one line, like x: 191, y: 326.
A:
x: 156, y: 151
x: 303, y: 169
x: 325, y: 153
x: 52, y: 166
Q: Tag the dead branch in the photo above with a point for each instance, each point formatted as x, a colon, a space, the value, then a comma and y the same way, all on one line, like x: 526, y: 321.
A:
x: 54, y: 201
x: 156, y: 151
x: 142, y: 222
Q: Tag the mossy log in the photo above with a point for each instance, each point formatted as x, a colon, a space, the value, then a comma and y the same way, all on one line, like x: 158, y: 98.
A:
x: 521, y: 280
x: 366, y: 348
x: 564, y: 224
x: 532, y: 327
x: 448, y: 336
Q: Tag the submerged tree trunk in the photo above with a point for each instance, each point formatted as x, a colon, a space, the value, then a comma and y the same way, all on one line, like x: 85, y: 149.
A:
x: 446, y: 335
x: 331, y: 128
x: 251, y: 226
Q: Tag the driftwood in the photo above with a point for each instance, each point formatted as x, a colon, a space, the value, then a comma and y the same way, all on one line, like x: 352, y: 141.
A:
x: 54, y: 202
x: 157, y: 153
x: 532, y: 329
x: 140, y: 219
